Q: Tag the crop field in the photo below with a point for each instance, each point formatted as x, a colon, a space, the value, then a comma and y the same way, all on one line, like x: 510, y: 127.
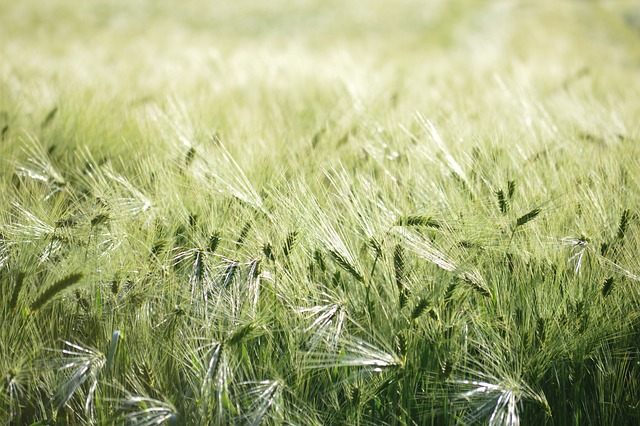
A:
x: 319, y: 212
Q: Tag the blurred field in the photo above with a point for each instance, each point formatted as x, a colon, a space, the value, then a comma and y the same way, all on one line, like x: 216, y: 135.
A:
x: 251, y: 67
x: 319, y: 212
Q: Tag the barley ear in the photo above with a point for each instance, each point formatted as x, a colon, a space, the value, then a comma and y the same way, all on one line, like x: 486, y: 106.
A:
x: 243, y: 234
x: 55, y: 289
x: 50, y: 116
x: 502, y: 201
x: 344, y: 264
x: 528, y: 217
x: 524, y: 219
x: 191, y: 154
x: 607, y: 286
x: 16, y: 290
x: 511, y: 189
x: 398, y: 266
x: 289, y: 244
x: 624, y: 224
x: 419, y: 309
x: 214, y: 240
x: 418, y: 220
x: 267, y: 249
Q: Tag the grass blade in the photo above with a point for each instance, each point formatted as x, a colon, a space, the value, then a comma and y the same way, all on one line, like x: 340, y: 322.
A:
x: 113, y: 349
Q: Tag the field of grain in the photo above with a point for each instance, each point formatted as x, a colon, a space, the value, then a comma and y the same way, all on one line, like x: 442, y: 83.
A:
x: 320, y: 212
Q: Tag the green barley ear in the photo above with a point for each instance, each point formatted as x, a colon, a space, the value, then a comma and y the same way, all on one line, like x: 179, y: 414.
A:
x: 239, y: 334
x: 540, y: 331
x: 374, y: 244
x: 229, y: 273
x: 267, y: 249
x: 115, y: 286
x: 607, y: 286
x: 451, y: 288
x: 418, y: 220
x: 180, y: 236
x: 510, y: 260
x: 67, y: 222
x: 158, y: 246
x: 446, y: 369
x: 526, y: 218
x: 336, y: 280
x: 461, y: 180
x: 49, y: 117
x: 511, y: 189
x: 99, y: 219
x: 191, y: 154
x: 317, y: 137
x: 401, y: 344
x: 243, y: 234
x: 624, y: 224
x: 502, y: 201
x: 193, y: 220
x: 16, y: 290
x: 344, y: 264
x: 55, y: 289
x: 318, y: 258
x: 289, y: 244
x: 214, y: 240
x: 398, y: 267
x: 199, y: 267
x: 476, y: 283
x: 253, y: 282
x: 419, y: 308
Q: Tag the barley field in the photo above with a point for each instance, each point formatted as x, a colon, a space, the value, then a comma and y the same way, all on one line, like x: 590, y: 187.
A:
x: 319, y: 212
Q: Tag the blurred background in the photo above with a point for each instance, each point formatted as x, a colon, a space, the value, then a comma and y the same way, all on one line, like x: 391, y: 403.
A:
x: 268, y: 62
x: 194, y: 39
